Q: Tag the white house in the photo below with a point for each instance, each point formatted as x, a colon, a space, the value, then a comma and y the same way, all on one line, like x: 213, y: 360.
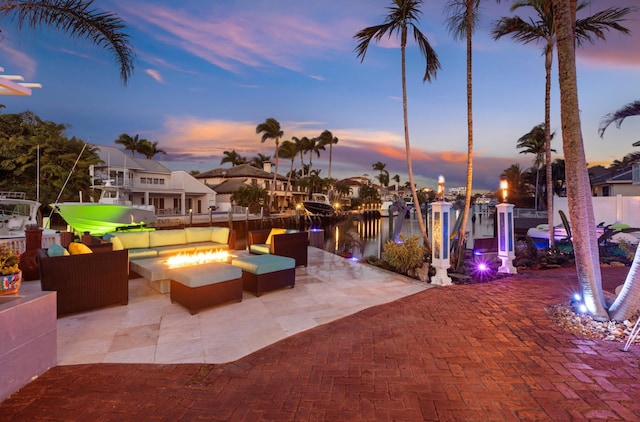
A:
x: 151, y: 183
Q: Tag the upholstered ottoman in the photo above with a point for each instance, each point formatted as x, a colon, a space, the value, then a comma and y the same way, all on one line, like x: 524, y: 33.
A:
x: 200, y: 286
x: 263, y: 273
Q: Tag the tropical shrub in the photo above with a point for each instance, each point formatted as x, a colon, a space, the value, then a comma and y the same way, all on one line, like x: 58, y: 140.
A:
x: 405, y: 256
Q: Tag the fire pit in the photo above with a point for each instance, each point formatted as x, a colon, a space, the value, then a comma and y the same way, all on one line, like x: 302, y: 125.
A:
x: 188, y: 259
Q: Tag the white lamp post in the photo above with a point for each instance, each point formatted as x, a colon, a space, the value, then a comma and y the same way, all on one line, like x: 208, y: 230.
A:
x: 506, y: 238
x: 440, y: 211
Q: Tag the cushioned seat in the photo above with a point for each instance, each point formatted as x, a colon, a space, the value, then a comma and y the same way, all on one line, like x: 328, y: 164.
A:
x: 200, y: 286
x: 263, y: 273
x: 282, y: 242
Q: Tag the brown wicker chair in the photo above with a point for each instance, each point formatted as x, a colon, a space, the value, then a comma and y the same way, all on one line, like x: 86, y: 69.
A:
x: 87, y: 281
x: 292, y: 245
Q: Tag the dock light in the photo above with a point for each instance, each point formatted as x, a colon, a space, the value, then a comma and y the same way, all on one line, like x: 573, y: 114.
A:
x: 504, y: 186
x: 441, y: 188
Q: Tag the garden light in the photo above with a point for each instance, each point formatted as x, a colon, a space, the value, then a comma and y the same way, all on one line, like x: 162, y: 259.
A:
x: 504, y: 185
x: 441, y: 188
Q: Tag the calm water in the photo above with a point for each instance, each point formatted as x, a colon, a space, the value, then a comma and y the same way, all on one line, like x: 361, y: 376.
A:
x: 375, y: 232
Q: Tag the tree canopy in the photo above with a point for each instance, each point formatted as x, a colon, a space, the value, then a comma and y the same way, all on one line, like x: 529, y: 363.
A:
x: 23, y: 137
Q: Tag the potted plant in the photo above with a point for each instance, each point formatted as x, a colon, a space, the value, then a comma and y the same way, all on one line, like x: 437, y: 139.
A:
x: 10, y: 274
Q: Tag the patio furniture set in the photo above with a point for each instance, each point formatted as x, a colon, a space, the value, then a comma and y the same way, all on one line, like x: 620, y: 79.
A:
x: 100, y: 276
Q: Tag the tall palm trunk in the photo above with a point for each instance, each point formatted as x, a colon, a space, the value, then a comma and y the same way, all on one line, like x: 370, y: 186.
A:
x: 330, y: 157
x: 467, y: 199
x: 407, y: 145
x: 286, y: 192
x: 547, y: 144
x: 275, y: 175
x: 578, y: 186
x: 537, y: 186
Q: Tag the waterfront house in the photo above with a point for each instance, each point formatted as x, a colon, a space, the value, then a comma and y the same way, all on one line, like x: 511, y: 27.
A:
x: 225, y: 181
x: 148, y: 182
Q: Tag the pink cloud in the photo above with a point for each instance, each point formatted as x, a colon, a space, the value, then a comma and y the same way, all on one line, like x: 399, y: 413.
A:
x: 154, y: 74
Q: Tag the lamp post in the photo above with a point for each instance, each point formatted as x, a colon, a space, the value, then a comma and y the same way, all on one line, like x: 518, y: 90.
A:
x: 439, y: 223
x: 506, y: 239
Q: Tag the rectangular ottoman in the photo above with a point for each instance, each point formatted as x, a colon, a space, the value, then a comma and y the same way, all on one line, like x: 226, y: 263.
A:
x: 200, y: 286
x: 263, y: 273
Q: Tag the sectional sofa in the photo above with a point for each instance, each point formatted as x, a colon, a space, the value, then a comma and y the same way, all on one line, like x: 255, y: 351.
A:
x: 85, y: 281
x: 158, y: 243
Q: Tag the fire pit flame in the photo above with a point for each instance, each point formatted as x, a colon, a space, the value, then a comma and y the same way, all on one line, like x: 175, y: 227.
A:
x: 186, y: 259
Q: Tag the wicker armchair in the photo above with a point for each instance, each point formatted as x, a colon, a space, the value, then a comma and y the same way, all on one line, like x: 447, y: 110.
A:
x: 292, y: 245
x: 87, y: 281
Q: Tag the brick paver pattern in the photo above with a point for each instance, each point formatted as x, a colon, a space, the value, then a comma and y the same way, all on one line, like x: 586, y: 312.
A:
x: 481, y: 352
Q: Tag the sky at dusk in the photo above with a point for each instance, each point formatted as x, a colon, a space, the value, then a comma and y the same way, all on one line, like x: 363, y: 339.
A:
x: 207, y: 72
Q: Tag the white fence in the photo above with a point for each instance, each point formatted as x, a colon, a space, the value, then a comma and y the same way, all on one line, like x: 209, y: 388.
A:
x: 606, y: 209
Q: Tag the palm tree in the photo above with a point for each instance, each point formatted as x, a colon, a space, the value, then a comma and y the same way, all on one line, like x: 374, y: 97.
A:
x: 79, y: 20
x: 232, y: 157
x: 578, y: 185
x: 288, y: 149
x: 403, y: 15
x: 327, y: 138
x: 270, y: 129
x: 462, y: 22
x: 627, y: 301
x: 617, y: 117
x: 544, y: 30
x: 628, y: 160
x: 130, y: 143
x: 534, y: 142
x: 302, y: 145
x: 258, y: 160
x: 380, y: 167
x: 149, y: 149
x: 313, y: 146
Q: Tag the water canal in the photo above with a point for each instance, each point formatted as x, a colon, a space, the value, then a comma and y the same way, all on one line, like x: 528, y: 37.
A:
x: 376, y: 231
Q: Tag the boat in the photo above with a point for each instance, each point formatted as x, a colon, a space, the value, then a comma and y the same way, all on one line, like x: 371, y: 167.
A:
x: 16, y: 213
x: 409, y: 206
x: 319, y: 205
x: 112, y: 212
x: 384, y: 209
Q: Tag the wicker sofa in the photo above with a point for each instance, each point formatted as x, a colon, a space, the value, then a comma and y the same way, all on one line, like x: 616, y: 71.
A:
x: 289, y: 243
x: 158, y: 243
x: 86, y: 281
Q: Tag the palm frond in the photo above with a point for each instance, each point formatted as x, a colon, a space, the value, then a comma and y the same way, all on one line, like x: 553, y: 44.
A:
x: 79, y: 20
x: 456, y: 11
x: 631, y: 109
x: 598, y: 24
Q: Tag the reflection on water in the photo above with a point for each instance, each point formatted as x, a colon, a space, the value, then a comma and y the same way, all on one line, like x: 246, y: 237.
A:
x: 375, y: 232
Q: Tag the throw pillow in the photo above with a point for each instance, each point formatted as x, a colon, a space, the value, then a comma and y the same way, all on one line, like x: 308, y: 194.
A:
x: 77, y: 248
x: 116, y: 243
x: 274, y: 232
x: 57, y: 250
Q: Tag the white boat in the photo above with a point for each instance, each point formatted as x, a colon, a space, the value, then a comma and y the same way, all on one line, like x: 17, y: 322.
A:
x: 112, y: 212
x: 384, y: 209
x: 16, y: 215
x: 319, y: 205
x: 16, y: 212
